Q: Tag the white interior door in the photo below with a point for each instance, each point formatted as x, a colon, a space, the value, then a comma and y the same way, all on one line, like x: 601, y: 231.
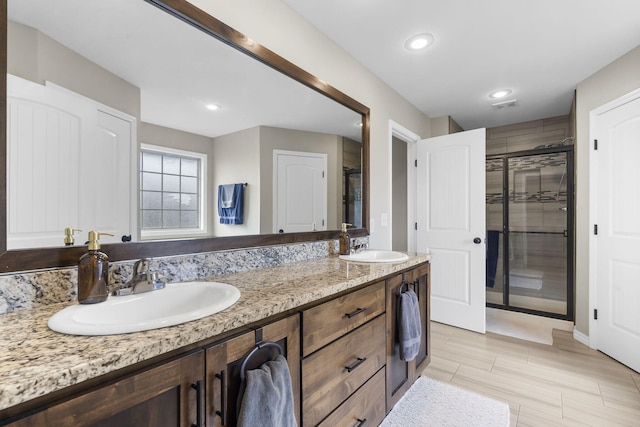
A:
x: 451, y: 224
x: 107, y: 206
x: 617, y: 243
x: 300, y: 191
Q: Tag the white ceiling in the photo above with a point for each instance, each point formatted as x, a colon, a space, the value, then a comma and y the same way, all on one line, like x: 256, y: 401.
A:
x: 540, y: 49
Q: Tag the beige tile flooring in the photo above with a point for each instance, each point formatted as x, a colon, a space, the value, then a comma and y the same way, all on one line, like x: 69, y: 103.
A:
x: 564, y: 384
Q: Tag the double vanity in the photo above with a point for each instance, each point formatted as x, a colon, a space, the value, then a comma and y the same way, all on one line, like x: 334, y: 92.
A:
x: 162, y: 358
x: 334, y: 319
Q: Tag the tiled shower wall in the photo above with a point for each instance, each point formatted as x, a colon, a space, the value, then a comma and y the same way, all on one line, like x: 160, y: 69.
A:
x: 529, y: 135
x: 545, y: 215
x: 539, y: 185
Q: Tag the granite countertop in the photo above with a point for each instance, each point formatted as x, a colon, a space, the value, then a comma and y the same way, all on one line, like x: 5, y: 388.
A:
x: 35, y: 360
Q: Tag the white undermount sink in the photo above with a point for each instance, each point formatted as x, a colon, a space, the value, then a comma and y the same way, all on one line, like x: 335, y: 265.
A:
x: 176, y: 303
x: 372, y: 255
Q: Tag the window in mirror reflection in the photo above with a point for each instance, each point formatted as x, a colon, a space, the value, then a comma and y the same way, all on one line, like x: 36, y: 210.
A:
x: 172, y: 188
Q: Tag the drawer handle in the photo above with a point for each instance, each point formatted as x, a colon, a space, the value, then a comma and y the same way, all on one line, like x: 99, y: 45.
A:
x: 361, y: 422
x: 355, y: 364
x: 222, y: 413
x: 198, y: 388
x: 355, y: 313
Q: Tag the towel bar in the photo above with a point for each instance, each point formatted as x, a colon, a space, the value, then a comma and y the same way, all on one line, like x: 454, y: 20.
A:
x: 400, y: 291
x: 258, y: 347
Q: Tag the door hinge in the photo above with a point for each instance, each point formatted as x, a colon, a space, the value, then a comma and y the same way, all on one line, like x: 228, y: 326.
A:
x: 323, y: 222
x: 416, y: 226
x: 323, y: 174
x: 595, y: 314
x: 416, y: 163
x: 595, y: 144
x: 595, y: 229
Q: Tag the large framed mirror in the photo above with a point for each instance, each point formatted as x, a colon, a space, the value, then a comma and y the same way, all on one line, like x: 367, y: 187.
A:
x: 148, y: 70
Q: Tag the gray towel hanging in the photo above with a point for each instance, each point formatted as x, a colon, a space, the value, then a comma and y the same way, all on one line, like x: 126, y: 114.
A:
x: 408, y: 323
x: 267, y: 396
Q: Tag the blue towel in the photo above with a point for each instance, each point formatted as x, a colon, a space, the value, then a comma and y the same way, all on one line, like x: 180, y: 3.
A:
x: 493, y: 245
x: 233, y: 214
x: 409, y: 325
x: 267, y: 398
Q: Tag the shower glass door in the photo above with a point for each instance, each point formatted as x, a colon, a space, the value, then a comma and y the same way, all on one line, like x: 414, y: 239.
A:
x: 533, y: 257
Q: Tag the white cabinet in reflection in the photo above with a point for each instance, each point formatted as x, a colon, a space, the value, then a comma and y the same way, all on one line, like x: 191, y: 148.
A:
x: 69, y: 165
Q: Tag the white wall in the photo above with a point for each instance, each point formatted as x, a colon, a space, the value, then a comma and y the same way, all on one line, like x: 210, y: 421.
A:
x: 302, y: 44
x: 616, y: 79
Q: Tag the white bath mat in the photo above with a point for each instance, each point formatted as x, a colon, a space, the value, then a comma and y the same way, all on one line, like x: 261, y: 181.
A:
x: 527, y: 279
x: 430, y: 403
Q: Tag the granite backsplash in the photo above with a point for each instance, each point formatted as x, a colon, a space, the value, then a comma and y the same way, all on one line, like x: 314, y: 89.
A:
x: 29, y: 289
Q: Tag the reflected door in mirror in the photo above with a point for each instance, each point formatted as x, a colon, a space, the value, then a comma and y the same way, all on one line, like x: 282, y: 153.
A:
x: 68, y: 165
x: 300, y: 191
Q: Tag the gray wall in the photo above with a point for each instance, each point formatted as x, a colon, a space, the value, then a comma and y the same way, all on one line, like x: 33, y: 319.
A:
x: 236, y: 158
x: 400, y: 240
x: 34, y: 56
x: 173, y: 138
x: 286, y: 139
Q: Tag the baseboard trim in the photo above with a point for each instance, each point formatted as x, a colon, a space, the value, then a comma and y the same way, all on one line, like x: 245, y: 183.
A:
x: 581, y: 338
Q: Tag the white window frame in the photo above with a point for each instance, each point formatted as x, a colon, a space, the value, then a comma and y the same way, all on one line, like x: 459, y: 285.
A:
x: 170, y: 233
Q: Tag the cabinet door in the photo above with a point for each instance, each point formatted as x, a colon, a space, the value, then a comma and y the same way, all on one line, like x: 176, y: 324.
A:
x: 419, y: 278
x: 166, y: 395
x: 398, y: 373
x: 223, y: 362
x: 401, y: 374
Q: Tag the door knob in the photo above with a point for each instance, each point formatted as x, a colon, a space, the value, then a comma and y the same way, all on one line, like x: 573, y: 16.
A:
x: 477, y: 240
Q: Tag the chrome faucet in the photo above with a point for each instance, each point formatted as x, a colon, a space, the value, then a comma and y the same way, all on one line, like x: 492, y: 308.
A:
x: 142, y: 280
x: 357, y: 248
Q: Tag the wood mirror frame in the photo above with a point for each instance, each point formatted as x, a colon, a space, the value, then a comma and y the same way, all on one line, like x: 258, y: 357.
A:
x: 36, y: 259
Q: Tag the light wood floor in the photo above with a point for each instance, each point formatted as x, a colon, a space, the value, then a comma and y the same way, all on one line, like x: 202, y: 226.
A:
x: 566, y: 384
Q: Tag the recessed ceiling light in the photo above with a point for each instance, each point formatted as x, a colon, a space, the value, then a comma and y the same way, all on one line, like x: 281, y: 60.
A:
x: 500, y: 93
x: 212, y: 107
x: 419, y: 42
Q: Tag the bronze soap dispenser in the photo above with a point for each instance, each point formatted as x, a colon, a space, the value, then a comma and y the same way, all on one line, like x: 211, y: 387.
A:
x: 93, y: 272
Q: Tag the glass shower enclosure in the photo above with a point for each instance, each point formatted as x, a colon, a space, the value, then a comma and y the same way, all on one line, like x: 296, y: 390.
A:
x: 530, y: 231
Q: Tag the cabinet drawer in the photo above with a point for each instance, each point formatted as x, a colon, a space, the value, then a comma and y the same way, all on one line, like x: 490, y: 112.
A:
x: 365, y: 407
x: 330, y: 375
x: 331, y: 320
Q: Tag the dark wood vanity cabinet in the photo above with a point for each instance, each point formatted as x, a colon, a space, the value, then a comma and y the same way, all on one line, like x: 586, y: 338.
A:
x: 184, y: 392
x: 224, y: 360
x: 342, y: 356
x: 401, y: 374
x: 166, y: 395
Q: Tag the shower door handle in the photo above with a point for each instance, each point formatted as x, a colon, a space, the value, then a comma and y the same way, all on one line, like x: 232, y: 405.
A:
x: 477, y: 240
